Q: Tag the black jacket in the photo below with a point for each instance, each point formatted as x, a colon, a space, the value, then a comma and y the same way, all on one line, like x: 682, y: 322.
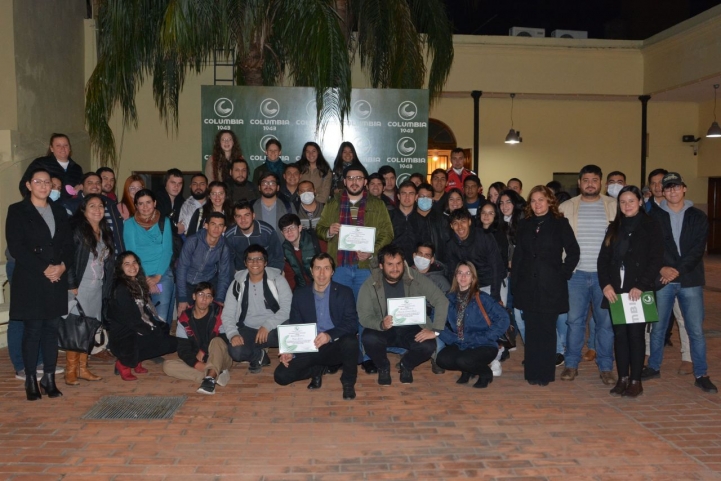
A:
x: 341, y: 304
x: 406, y: 232
x: 642, y: 262
x: 540, y: 274
x: 72, y: 176
x: 434, y: 228
x: 694, y: 235
x: 195, y: 340
x: 482, y: 251
x: 32, y: 295
x: 501, y: 241
x: 166, y: 209
x: 76, y: 269
x: 111, y: 210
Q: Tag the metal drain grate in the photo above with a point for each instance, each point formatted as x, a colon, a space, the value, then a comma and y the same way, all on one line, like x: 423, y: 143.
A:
x: 135, y: 407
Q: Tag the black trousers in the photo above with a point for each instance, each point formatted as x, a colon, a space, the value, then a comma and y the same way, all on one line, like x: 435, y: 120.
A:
x: 474, y: 360
x: 342, y: 351
x: 375, y: 344
x: 250, y: 351
x: 37, y: 335
x: 629, y: 345
x: 540, y: 362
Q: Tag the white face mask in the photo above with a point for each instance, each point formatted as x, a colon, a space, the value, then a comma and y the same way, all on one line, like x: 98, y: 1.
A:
x: 613, y: 190
x: 421, y: 263
x: 307, y: 198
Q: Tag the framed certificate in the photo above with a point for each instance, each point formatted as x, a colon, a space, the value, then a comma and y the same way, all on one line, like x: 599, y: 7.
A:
x: 626, y: 311
x: 357, y: 238
x: 407, y: 310
x: 293, y: 338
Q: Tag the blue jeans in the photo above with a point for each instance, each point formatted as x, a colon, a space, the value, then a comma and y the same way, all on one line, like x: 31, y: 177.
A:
x: 520, y: 323
x: 164, y: 301
x: 583, y: 289
x: 591, y: 342
x: 561, y: 333
x: 353, y: 277
x: 691, y: 301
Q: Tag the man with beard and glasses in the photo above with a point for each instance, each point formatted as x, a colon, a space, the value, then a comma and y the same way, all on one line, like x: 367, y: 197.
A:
x: 589, y: 215
x: 239, y: 187
x: 270, y: 206
x: 393, y: 280
x: 354, y: 206
x: 198, y: 197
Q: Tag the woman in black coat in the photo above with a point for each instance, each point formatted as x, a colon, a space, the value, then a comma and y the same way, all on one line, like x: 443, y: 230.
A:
x: 632, y: 248
x: 135, y: 333
x: 39, y: 238
x: 539, y: 279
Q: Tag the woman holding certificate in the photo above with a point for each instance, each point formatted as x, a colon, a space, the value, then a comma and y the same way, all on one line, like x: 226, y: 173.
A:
x: 539, y: 279
x: 475, y: 323
x: 629, y: 262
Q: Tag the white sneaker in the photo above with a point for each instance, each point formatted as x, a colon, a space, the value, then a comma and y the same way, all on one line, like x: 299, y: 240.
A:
x: 58, y: 369
x: 223, y: 378
x: 496, y: 368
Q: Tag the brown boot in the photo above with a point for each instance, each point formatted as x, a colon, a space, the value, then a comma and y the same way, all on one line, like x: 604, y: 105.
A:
x: 83, y: 371
x: 71, y: 368
x: 634, y: 389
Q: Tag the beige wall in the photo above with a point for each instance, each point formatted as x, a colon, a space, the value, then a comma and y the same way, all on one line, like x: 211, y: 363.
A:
x: 709, y: 149
x: 8, y: 99
x: 684, y: 53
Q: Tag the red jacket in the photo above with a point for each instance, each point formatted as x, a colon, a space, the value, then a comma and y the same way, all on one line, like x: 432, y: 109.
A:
x: 455, y: 181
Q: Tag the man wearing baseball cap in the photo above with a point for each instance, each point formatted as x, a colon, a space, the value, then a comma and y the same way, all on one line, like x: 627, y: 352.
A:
x: 685, y: 230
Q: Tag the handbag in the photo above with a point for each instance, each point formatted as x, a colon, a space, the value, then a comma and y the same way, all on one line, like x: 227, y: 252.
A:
x: 77, y: 331
x: 507, y: 340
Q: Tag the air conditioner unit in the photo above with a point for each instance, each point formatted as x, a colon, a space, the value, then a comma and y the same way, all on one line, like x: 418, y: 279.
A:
x: 527, y: 32
x: 569, y: 34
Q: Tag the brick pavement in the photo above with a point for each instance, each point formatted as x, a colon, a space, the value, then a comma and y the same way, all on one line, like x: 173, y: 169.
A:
x: 432, y: 429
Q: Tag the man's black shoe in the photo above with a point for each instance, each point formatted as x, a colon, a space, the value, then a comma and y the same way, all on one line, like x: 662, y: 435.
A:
x: 257, y: 366
x: 406, y: 375
x: 506, y: 355
x: 369, y: 367
x: 704, y: 382
x: 435, y: 369
x: 560, y: 359
x: 384, y: 376
x: 207, y: 387
x: 649, y: 373
x: 348, y: 392
x: 317, y: 380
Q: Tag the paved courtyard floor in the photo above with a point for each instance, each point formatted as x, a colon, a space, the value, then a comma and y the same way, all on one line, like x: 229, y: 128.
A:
x: 432, y: 429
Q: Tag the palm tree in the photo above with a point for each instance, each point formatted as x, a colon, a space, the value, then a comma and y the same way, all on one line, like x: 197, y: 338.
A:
x: 313, y: 42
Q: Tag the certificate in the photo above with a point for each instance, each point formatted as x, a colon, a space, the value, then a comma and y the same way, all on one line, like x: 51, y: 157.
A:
x: 294, y: 338
x: 626, y: 311
x: 356, y: 238
x: 407, y: 310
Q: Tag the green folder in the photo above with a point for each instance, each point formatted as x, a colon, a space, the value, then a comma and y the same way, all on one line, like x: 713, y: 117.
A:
x: 624, y: 311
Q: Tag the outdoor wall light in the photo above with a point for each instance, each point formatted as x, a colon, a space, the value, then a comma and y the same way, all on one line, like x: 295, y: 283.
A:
x: 715, y: 129
x: 513, y: 137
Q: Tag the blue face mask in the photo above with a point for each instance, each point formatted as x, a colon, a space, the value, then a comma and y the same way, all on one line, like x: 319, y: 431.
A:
x: 54, y: 195
x: 425, y: 203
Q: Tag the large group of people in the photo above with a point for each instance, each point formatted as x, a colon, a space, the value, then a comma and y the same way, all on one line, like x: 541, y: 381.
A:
x: 238, y: 258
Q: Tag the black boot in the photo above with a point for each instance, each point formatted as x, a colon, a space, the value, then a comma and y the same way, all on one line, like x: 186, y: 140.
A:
x: 31, y: 388
x: 316, y: 381
x: 465, y: 377
x: 47, y: 384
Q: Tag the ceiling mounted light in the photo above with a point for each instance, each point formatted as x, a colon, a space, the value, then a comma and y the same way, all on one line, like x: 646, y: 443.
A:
x: 715, y: 129
x: 513, y: 137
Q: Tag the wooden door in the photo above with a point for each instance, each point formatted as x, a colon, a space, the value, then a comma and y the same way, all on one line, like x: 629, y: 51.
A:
x: 714, y: 215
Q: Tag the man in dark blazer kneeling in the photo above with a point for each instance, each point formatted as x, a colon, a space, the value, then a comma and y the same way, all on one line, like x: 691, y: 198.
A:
x: 331, y: 307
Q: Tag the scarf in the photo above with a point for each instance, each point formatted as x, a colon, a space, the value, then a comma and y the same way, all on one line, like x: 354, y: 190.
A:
x: 270, y: 301
x: 275, y: 167
x: 349, y: 258
x: 461, y: 305
x: 147, y: 223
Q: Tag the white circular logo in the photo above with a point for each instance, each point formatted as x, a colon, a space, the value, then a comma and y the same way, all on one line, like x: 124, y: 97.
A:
x: 647, y: 299
x: 407, y: 110
x: 402, y: 178
x: 362, y: 109
x: 269, y: 108
x: 223, y: 107
x: 406, y: 146
x: 362, y: 146
x: 265, y: 140
x: 311, y: 109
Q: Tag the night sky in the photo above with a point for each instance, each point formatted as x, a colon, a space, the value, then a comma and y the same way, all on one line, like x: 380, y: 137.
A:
x: 612, y: 19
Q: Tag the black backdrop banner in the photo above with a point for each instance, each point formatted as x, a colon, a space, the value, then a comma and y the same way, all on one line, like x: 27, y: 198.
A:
x: 386, y: 126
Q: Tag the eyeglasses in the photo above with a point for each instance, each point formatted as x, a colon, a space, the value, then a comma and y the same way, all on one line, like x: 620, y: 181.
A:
x: 355, y: 178
x: 40, y: 182
x: 268, y: 183
x: 251, y: 260
x: 290, y: 228
x: 203, y: 295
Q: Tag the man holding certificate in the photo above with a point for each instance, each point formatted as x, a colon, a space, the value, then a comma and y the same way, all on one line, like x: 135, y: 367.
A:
x: 329, y: 308
x: 355, y: 225
x: 392, y: 308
